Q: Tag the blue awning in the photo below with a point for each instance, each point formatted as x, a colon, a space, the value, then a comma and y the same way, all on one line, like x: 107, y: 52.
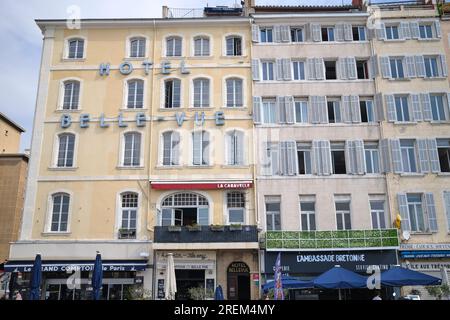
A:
x: 340, y: 278
x: 425, y: 254
x: 398, y: 277
x: 77, y: 265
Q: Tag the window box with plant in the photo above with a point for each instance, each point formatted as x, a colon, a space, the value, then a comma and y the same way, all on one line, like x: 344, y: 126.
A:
x: 194, y: 227
x: 125, y: 233
x: 174, y: 228
x: 217, y: 227
x: 235, y: 227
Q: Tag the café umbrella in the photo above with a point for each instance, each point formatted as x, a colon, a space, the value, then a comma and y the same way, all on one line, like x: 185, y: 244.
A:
x: 36, y: 277
x: 218, y: 294
x: 171, y: 282
x: 97, y: 277
x: 398, y: 277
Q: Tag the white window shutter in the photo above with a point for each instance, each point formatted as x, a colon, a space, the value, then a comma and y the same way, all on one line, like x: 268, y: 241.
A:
x: 351, y: 68
x: 277, y: 33
x: 379, y: 110
x: 420, y: 66
x: 255, y: 70
x: 383, y: 148
x: 426, y: 106
x: 339, y: 32
x: 434, y: 156
x: 350, y: 160
x: 285, y: 33
x: 405, y: 32
x: 381, y: 32
x: 342, y: 68
x: 313, y: 110
x: 320, y: 68
x: 257, y: 105
x: 447, y: 207
x: 448, y: 102
x: 326, y: 157
x: 264, y: 157
x: 437, y: 28
x: 281, y: 111
x: 416, y: 107
x: 315, y: 161
x: 206, y: 147
x: 414, y: 27
x: 229, y: 148
x: 390, y: 106
x: 356, y: 112
x: 431, y: 211
x: 373, y: 67
x: 410, y: 67
x: 255, y: 33
x: 423, y: 155
x: 311, y: 68
x: 283, y: 158
x: 175, y: 148
x: 360, y: 157
x: 290, y: 109
x: 289, y: 158
x: 404, y: 212
x: 385, y: 67
x: 348, y: 34
x: 287, y: 75
x: 444, y: 69
x: 396, y: 153
x: 196, y: 147
x: 279, y: 69
x: 316, y: 34
x: 323, y: 110
x: 346, y: 109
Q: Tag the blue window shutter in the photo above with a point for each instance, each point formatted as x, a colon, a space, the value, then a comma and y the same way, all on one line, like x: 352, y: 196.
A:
x: 434, y: 157
x: 426, y: 106
x: 423, y: 155
x: 390, y: 106
x: 416, y: 107
x: 384, y: 155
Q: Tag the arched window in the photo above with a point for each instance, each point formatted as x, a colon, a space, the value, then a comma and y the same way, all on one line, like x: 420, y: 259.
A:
x: 66, y: 147
x: 200, y: 148
x: 60, y: 212
x: 137, y: 47
x: 234, y: 141
x: 236, y: 207
x: 129, y: 205
x: 172, y: 93
x: 171, y: 148
x: 76, y: 49
x: 173, y: 46
x: 135, y: 99
x: 234, y: 46
x: 234, y: 92
x: 201, y: 93
x: 71, y: 95
x: 132, y: 149
x: 201, y: 46
x: 184, y: 208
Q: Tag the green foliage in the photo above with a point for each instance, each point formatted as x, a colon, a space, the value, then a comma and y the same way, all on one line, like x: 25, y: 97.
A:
x: 272, y: 291
x: 198, y: 293
x: 137, y: 292
x: 438, y: 291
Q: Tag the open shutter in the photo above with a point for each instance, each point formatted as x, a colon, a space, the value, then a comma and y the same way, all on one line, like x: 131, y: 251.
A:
x: 197, y: 147
x: 288, y: 151
x: 360, y: 157
x: 410, y: 66
x: 206, y: 144
x: 255, y: 70
x: 405, y: 32
x: 383, y: 148
x: 431, y: 211
x: 396, y: 156
x: 448, y: 102
x: 444, y: 69
x: 390, y: 106
x: 404, y: 213
x: 339, y: 32
x: 350, y: 159
x: 414, y: 27
x: 373, y: 67
x: 342, y: 68
x: 264, y: 157
x: 447, y: 207
x: 417, y: 109
x: 281, y: 111
x: 283, y: 158
x: 257, y: 105
x: 313, y: 110
x: 437, y: 28
x: 290, y: 109
x: 346, y: 109
x: 423, y: 155
x: 351, y: 68
x: 381, y: 32
x: 354, y: 106
x: 311, y: 67
x: 255, y: 33
x: 326, y: 157
x: 379, y: 110
x: 287, y: 75
x: 229, y: 149
x: 315, y: 161
x: 348, y: 34
x: 277, y: 33
x: 385, y: 67
x: 420, y: 66
x: 279, y: 69
x: 320, y: 68
x: 316, y: 35
x: 434, y: 156
x: 175, y: 148
x: 426, y: 106
x: 285, y: 33
x: 323, y: 111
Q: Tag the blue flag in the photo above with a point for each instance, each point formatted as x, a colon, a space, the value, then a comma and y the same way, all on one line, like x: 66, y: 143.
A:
x: 278, y: 290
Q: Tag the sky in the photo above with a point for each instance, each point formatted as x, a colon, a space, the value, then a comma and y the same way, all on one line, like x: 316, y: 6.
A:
x: 22, y: 41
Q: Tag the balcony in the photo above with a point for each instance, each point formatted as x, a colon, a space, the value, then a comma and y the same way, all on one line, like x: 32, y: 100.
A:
x: 332, y: 240
x: 127, y: 233
x: 206, y: 237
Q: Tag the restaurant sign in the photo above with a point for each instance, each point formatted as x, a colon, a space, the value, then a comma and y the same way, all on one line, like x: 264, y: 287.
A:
x: 68, y: 266
x: 201, y: 186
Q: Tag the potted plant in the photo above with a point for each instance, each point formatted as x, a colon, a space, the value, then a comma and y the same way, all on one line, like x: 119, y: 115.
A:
x: 174, y: 228
x: 217, y: 227
x: 236, y: 227
x: 125, y: 233
x: 194, y: 227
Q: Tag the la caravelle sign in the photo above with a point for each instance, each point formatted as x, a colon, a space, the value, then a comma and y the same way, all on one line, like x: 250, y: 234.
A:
x: 126, y: 68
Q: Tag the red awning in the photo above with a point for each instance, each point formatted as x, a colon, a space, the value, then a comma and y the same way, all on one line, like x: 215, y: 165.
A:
x: 201, y: 185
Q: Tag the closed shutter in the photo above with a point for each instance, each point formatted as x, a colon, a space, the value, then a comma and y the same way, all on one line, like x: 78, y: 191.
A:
x: 410, y: 67
x: 350, y: 159
x: 390, y: 106
x: 447, y: 207
x: 257, y: 105
x: 279, y: 69
x: 404, y: 213
x: 281, y: 111
x: 416, y: 107
x: 356, y: 112
x: 339, y: 32
x: 437, y: 28
x: 448, y: 103
x: 203, y: 216
x: 404, y: 31
x: 434, y: 156
x: 426, y: 106
x: 229, y: 143
x: 197, y: 147
x: 414, y: 26
x: 342, y: 68
x: 255, y: 33
x: 315, y: 32
x: 423, y: 155
x: 346, y: 109
x: 385, y: 67
x: 255, y: 70
x: 288, y: 150
x: 320, y: 69
x: 325, y: 153
x: 360, y: 157
x: 285, y: 34
x: 348, y: 34
x: 323, y: 112
x: 381, y: 32
x: 290, y: 109
x: 420, y: 66
x: 283, y: 158
x: 396, y: 156
x: 383, y: 148
x: 265, y: 159
x: 379, y: 110
x: 240, y: 147
x: 373, y: 67
x: 206, y: 147
x: 175, y: 148
x: 315, y: 161
x: 287, y: 75
x: 431, y: 211
x: 443, y: 65
x: 311, y: 74
x: 277, y: 33
x: 351, y: 68
x: 313, y: 110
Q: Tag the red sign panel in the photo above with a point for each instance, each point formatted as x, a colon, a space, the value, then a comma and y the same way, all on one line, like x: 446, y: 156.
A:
x: 202, y: 186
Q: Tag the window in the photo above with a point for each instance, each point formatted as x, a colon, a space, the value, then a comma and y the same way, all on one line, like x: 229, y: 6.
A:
x: 129, y: 207
x: 334, y: 111
x: 443, y: 148
x: 338, y: 158
x: 301, y: 111
x: 431, y: 67
x: 425, y: 31
x: 407, y: 148
x: 372, y: 158
x: 184, y: 209
x: 235, y: 146
x: 76, y: 49
x: 171, y: 142
x: 269, y: 111
x: 201, y: 93
x: 328, y: 34
x: 308, y: 215
x: 201, y: 47
x: 392, y: 32
x: 272, y: 165
x: 437, y: 107
x: 172, y: 93
x: 396, y: 68
x: 236, y: 207
x: 359, y: 33
x: 234, y: 46
x: 60, y: 212
x: 173, y: 47
x: 366, y: 110
x: 234, y: 92
x: 71, y: 95
x: 137, y: 47
x: 304, y: 158
x: 362, y: 69
x: 330, y: 70
x: 299, y: 70
x: 343, y: 215
x: 377, y: 214
x: 416, y: 214
x: 296, y: 34
x: 401, y: 108
x: 273, y: 216
x: 66, y: 146
x: 267, y: 70
x: 132, y: 149
x: 135, y: 94
x: 266, y: 35
x: 200, y: 143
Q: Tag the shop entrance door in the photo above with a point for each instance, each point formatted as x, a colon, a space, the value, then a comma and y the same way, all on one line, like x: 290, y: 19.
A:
x: 187, y: 279
x: 238, y: 281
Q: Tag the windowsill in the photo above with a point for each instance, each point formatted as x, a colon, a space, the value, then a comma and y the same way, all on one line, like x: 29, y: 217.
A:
x: 314, y: 81
x: 62, y: 168
x: 136, y: 58
x: 436, y: 122
x: 130, y: 167
x: 171, y: 109
x: 174, y: 57
x: 412, y: 174
x: 443, y: 174
x: 125, y: 109
x: 399, y: 79
x: 55, y: 233
x: 329, y: 176
x: 192, y: 108
x: 394, y: 40
x: 173, y: 167
x: 203, y: 166
x: 201, y: 57
x: 438, y: 78
x: 61, y: 110
x: 428, y: 39
x: 405, y: 123
x: 234, y: 108
x: 302, y: 124
x: 233, y: 57
x: 230, y: 166
x: 73, y: 59
x: 420, y: 233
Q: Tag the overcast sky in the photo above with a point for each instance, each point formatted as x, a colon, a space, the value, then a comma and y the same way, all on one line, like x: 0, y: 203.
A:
x: 21, y: 41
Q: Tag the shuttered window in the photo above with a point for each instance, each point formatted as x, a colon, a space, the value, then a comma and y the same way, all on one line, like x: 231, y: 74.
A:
x: 304, y: 158
x: 431, y: 67
x: 426, y: 31
x: 171, y: 147
x: 269, y: 111
x: 402, y: 109
x: 443, y: 150
x: 392, y: 32
x: 297, y: 35
x: 299, y: 70
x: 266, y: 35
x: 396, y: 65
x: 438, y: 110
x: 235, y: 148
x: 367, y: 111
x: 267, y: 70
x: 408, y: 154
x: 234, y: 46
x: 338, y: 158
x: 301, y: 111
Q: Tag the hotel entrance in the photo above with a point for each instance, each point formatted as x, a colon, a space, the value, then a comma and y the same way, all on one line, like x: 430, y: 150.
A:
x: 238, y: 279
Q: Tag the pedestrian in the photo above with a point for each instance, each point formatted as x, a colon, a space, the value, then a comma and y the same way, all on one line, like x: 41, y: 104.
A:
x: 377, y: 295
x: 18, y: 296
